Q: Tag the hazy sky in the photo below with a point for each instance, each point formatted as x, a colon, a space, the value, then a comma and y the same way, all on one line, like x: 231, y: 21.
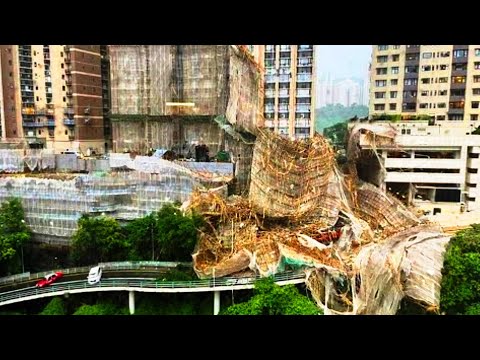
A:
x: 343, y: 61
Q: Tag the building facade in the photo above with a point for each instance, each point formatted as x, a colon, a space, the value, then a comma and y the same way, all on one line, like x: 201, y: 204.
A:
x: 441, y: 81
x: 434, y: 167
x: 289, y: 88
x: 52, y: 96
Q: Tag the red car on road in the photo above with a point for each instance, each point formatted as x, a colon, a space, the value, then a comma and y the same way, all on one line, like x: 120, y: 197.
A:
x: 50, y: 278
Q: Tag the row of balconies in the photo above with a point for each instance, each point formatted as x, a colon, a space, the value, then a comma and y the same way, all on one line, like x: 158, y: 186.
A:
x: 286, y: 78
x: 299, y: 123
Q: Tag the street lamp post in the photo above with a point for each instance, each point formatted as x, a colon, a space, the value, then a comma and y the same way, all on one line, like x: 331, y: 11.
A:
x: 21, y: 251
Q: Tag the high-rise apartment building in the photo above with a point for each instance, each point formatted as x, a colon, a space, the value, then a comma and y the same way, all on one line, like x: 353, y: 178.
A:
x: 435, y: 164
x: 442, y: 81
x: 52, y: 96
x: 289, y: 88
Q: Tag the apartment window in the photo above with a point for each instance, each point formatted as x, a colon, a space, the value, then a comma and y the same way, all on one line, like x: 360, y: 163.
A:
x: 395, y: 46
x: 425, y: 81
x: 442, y: 67
x: 457, y: 105
x: 395, y: 57
x: 427, y: 55
x: 459, y: 79
x: 410, y: 94
x: 381, y: 83
x: 477, y: 52
x: 460, y: 53
x: 444, y: 54
x: 35, y: 64
x: 476, y: 91
x: 382, y: 47
x: 441, y: 105
x: 459, y: 67
x: 476, y: 78
x: 442, y: 92
x: 64, y: 99
x: 62, y: 65
x: 395, y: 69
x: 66, y: 132
x: 36, y: 87
x: 382, y: 59
x: 474, y: 104
x: 394, y: 82
x: 412, y: 57
x: 410, y: 82
x: 393, y: 107
x: 382, y: 71
x: 427, y: 68
x: 476, y: 65
x: 10, y: 74
x: 393, y: 94
x: 443, y: 80
x: 38, y: 99
x: 411, y: 69
x: 63, y: 77
x: 474, y: 117
x: 424, y: 93
x: 457, y: 92
x: 379, y: 107
x: 380, y: 95
x: 61, y: 53
x: 423, y: 106
x: 455, y: 117
x: 440, y: 117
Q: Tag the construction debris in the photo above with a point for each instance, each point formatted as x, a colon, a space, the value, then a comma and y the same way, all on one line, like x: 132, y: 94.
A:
x: 363, y: 251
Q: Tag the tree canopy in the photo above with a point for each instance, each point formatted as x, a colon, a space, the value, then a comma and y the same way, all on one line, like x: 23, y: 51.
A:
x: 330, y: 115
x: 460, y: 292
x: 272, y: 299
x: 14, y: 233
x: 98, y: 239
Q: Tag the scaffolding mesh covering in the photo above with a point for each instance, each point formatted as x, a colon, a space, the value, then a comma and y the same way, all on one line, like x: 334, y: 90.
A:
x: 53, y: 203
x: 289, y: 177
x: 166, y: 96
x: 362, y: 256
x: 18, y: 160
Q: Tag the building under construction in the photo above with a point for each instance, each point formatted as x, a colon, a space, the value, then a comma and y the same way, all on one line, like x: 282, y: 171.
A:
x: 176, y: 97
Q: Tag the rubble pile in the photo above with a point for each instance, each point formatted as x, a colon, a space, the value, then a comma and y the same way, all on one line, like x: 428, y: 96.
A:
x: 362, y: 250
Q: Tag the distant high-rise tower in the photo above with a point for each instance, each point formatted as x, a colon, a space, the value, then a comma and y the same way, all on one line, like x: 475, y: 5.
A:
x: 289, y: 88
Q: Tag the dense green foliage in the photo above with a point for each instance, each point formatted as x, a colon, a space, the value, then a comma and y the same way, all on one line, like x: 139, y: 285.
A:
x: 460, y: 292
x: 176, y: 234
x: 179, y: 274
x: 98, y: 239
x: 14, y: 234
x: 166, y: 235
x: 272, y: 299
x: 56, y: 306
x: 101, y: 309
x: 330, y: 115
x: 337, y: 133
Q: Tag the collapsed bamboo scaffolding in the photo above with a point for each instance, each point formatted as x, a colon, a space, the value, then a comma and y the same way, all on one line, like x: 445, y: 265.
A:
x: 363, y: 251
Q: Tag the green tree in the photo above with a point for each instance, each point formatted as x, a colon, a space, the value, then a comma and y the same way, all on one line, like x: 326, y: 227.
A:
x: 176, y: 234
x: 14, y: 233
x: 460, y: 292
x: 337, y: 133
x: 141, y: 235
x: 101, y: 309
x: 56, y: 306
x: 272, y: 299
x: 98, y: 239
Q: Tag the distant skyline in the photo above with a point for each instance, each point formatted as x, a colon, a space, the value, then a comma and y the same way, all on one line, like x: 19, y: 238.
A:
x: 343, y: 61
